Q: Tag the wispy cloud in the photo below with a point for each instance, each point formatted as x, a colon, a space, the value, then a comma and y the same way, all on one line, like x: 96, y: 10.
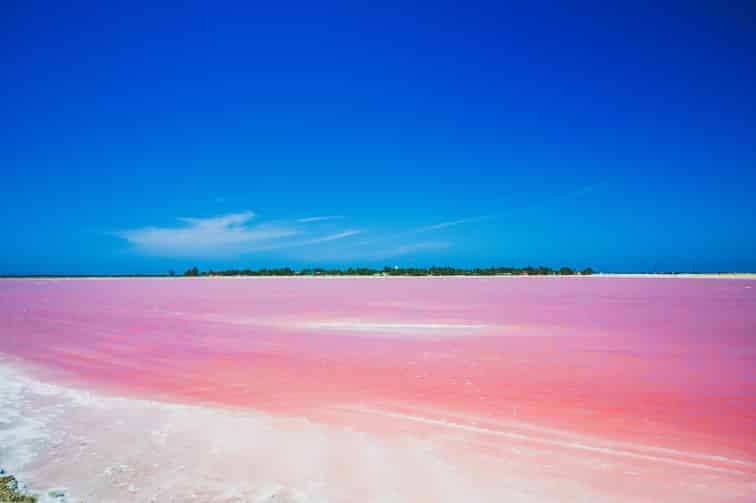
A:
x: 407, y: 233
x: 340, y: 235
x: 228, y: 235
x: 319, y: 239
x: 216, y: 236
x: 409, y: 248
x: 444, y: 225
x: 319, y: 219
x: 375, y: 254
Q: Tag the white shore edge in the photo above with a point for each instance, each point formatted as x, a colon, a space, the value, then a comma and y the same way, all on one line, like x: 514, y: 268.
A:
x: 70, y: 445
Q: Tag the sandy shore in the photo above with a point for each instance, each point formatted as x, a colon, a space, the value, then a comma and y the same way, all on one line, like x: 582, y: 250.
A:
x: 728, y: 275
x: 86, y: 446
x: 93, y: 447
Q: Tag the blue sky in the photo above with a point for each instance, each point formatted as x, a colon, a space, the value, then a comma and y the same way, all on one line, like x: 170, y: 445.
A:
x: 144, y: 138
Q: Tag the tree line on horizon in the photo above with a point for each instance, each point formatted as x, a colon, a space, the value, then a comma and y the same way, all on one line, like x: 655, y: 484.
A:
x: 394, y: 271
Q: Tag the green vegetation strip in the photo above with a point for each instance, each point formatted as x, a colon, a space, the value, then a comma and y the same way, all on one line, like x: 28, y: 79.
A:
x: 9, y: 491
x: 394, y: 271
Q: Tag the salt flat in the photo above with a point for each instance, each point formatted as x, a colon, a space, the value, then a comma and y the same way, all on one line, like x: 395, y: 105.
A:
x: 427, y: 389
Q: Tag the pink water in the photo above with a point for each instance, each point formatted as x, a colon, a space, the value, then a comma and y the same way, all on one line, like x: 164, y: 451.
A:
x: 652, y: 365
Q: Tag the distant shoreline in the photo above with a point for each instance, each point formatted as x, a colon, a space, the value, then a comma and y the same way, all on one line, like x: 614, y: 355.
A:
x: 705, y: 275
x: 740, y: 276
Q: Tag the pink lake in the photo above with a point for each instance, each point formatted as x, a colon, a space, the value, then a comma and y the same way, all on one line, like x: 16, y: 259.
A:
x: 657, y: 373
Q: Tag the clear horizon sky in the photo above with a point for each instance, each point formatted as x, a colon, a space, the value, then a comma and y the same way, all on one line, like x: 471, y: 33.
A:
x: 140, y: 139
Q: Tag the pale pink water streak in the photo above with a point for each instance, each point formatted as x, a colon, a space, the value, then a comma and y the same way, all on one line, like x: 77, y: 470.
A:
x: 652, y: 367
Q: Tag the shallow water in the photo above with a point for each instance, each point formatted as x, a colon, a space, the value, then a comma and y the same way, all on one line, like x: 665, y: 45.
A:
x: 639, y: 371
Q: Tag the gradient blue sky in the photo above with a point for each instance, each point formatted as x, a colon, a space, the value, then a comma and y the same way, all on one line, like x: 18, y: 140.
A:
x: 143, y: 138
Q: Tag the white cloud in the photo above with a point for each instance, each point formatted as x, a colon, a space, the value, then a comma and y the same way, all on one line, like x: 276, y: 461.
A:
x: 408, y: 248
x: 316, y: 240
x: 411, y: 247
x: 444, y: 225
x: 339, y: 235
x: 319, y: 219
x: 386, y: 252
x: 216, y: 236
